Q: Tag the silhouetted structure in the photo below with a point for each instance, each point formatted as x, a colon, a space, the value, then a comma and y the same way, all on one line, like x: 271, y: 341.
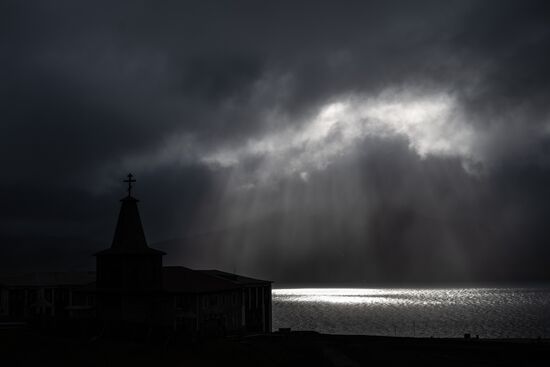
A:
x: 46, y: 297
x: 133, y: 288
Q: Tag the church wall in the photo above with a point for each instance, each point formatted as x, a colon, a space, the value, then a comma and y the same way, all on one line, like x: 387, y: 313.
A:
x: 165, y: 312
x: 53, y: 303
x: 129, y: 271
x: 220, y: 313
x: 257, y: 308
x: 216, y: 313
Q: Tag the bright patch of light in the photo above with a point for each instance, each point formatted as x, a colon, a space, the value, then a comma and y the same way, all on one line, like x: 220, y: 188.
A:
x: 431, y: 124
x: 379, y: 296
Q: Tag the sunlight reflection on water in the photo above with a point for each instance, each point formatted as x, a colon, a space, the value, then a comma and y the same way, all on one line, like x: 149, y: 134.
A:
x: 352, y: 295
x: 489, y: 312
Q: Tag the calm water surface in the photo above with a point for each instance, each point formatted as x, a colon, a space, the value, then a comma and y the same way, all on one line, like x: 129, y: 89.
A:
x: 487, y: 312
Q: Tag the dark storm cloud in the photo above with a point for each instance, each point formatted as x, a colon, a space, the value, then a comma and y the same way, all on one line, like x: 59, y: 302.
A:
x: 171, y: 91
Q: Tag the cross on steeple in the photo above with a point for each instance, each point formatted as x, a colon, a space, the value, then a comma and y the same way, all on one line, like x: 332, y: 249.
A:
x: 130, y: 180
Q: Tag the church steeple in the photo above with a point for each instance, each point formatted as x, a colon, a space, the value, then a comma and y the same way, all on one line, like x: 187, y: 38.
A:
x: 129, y: 235
x: 129, y: 262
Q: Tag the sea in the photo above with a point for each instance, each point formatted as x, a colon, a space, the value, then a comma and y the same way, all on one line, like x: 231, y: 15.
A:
x: 445, y: 312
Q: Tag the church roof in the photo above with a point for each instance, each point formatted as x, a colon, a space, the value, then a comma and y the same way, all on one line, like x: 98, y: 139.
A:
x: 176, y: 279
x: 179, y: 279
x: 235, y: 278
x: 47, y: 279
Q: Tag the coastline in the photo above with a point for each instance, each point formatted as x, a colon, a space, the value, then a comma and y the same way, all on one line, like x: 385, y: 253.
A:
x: 28, y: 347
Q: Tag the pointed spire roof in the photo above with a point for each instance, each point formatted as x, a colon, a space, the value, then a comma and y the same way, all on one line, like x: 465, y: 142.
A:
x: 129, y: 236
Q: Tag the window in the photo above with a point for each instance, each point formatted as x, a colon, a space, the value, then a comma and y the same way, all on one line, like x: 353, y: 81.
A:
x: 184, y: 302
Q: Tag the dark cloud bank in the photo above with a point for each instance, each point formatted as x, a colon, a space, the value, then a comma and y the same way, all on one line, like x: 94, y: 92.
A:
x: 374, y: 142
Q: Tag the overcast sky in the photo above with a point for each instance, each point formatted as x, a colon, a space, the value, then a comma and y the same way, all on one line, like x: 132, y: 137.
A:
x: 390, y: 142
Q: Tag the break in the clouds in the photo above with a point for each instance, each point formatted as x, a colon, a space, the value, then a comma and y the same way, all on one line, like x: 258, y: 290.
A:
x: 388, y: 141
x: 430, y: 124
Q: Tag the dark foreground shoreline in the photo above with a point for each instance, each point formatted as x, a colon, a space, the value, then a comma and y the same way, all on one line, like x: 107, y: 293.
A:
x: 27, y: 347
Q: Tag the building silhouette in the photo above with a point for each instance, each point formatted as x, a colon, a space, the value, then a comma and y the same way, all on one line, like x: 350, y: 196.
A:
x: 132, y: 289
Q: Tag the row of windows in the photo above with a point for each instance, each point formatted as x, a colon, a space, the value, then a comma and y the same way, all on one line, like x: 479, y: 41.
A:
x: 252, y: 297
x: 213, y: 300
x: 226, y: 299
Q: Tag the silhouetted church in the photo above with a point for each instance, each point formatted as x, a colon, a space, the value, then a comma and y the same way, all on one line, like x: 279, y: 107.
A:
x: 133, y: 288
